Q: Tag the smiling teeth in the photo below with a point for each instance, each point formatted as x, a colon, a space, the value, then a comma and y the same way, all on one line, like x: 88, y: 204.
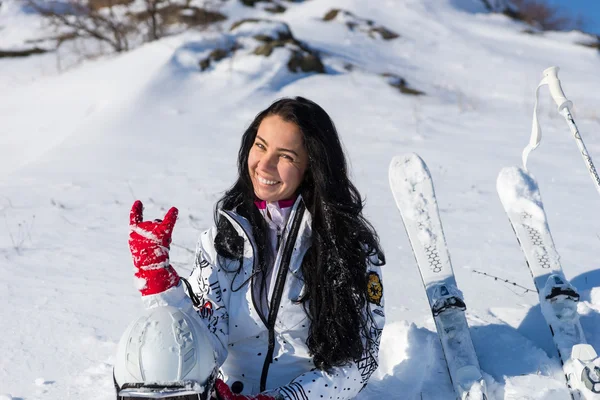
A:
x: 266, y: 181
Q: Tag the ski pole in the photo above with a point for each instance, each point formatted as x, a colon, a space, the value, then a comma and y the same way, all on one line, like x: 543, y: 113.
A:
x: 497, y: 278
x: 564, y: 108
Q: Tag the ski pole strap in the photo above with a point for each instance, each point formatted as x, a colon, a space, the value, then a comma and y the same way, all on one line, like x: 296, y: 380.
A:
x: 536, y: 131
x: 551, y: 79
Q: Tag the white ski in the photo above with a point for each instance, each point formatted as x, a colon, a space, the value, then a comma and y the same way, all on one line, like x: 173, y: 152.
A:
x: 522, y: 201
x: 413, y: 192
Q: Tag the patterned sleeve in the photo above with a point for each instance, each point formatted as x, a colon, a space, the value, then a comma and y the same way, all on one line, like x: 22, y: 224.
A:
x: 345, y: 382
x: 204, y: 281
x: 205, y: 285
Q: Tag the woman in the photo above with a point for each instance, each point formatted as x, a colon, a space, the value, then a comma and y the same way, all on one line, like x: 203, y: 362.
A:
x: 288, y: 281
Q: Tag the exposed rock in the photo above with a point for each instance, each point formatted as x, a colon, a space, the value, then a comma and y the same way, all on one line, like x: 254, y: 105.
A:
x: 276, y: 9
x: 217, y: 54
x: 267, y: 48
x: 241, y: 22
x: 364, y: 25
x: 595, y: 44
x: 513, y: 14
x: 204, y: 64
x: 271, y: 35
x: 194, y: 16
x: 305, y: 62
x: 191, y: 16
x: 263, y: 38
x: 385, y: 33
x: 331, y: 14
x: 401, y: 84
x: 530, y: 32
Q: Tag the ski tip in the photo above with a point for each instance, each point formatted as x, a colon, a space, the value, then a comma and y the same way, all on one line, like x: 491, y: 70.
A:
x: 515, y: 183
x: 406, y: 164
x: 407, y: 168
x: 405, y: 159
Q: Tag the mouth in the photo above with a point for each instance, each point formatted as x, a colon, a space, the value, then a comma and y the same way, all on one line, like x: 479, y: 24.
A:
x: 266, y: 181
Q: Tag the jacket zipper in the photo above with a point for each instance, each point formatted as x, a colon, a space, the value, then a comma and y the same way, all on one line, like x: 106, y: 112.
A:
x: 278, y: 238
x: 284, y: 266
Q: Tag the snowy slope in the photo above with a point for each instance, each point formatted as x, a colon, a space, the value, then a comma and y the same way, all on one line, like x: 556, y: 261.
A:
x: 77, y: 146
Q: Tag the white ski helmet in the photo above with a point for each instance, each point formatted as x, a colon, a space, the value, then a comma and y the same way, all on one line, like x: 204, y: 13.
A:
x: 165, y: 354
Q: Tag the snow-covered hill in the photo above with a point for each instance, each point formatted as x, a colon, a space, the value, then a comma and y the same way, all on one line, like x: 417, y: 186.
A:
x: 77, y: 146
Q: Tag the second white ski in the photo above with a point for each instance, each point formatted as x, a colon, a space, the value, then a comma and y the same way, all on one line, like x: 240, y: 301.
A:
x: 522, y: 202
x: 413, y: 192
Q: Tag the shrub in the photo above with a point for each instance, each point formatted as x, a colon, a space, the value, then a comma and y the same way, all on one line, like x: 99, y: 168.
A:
x: 540, y: 13
x: 116, y: 23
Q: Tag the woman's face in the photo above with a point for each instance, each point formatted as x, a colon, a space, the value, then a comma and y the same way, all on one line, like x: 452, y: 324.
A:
x: 277, y: 160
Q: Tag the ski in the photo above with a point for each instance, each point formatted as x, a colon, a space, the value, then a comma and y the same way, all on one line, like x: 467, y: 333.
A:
x: 520, y: 196
x: 413, y: 192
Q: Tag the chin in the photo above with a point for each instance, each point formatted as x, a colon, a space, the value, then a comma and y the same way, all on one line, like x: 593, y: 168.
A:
x: 270, y: 198
x: 264, y: 196
x: 267, y: 195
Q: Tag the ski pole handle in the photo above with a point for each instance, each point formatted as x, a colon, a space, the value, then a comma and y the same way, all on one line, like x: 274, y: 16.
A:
x: 558, y: 95
x: 564, y: 108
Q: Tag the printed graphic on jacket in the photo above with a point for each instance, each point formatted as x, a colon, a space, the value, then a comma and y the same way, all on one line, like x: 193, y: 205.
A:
x: 374, y: 288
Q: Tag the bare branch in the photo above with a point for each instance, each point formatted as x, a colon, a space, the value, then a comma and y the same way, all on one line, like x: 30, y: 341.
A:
x: 116, y: 23
x: 547, y: 17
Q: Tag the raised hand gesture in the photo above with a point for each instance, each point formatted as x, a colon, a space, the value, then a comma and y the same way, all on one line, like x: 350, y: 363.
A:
x: 149, y: 243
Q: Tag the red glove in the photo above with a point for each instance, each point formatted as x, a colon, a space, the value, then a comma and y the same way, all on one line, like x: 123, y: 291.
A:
x: 223, y: 392
x: 149, y: 244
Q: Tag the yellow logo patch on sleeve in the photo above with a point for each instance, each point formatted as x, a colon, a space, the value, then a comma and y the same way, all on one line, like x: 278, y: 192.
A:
x: 374, y: 288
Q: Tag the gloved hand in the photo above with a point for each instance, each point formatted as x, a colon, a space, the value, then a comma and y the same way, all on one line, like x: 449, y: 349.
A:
x: 223, y: 392
x: 149, y: 243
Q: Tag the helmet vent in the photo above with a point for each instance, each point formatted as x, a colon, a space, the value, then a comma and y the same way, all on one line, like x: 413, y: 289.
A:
x: 185, y: 339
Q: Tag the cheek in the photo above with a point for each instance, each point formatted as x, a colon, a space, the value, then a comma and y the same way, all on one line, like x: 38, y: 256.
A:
x: 252, y: 161
x: 291, y: 175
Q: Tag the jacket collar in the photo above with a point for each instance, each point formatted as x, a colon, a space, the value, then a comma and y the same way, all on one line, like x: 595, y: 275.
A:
x: 262, y: 204
x: 276, y: 214
x: 243, y: 228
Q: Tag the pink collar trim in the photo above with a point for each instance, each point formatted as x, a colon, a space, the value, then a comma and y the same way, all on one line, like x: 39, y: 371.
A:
x: 262, y: 204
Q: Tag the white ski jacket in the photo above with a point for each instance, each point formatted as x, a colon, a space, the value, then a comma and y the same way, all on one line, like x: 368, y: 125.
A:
x: 240, y: 333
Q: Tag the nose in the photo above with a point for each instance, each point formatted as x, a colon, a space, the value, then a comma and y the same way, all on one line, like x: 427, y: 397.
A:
x: 268, y: 162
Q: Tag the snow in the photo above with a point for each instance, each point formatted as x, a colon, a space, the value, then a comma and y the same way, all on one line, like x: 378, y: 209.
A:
x: 79, y: 142
x: 595, y: 296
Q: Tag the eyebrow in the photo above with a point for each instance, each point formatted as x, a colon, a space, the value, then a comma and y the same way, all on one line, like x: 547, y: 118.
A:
x: 279, y: 148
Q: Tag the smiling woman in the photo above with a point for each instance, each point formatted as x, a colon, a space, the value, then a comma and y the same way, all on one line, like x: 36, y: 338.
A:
x: 290, y: 275
x: 277, y: 160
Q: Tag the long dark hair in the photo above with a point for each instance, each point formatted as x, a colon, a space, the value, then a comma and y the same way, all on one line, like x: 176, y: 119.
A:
x: 335, y: 266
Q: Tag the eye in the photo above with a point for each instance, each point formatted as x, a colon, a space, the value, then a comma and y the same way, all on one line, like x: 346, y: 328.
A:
x: 259, y: 145
x: 287, y: 157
